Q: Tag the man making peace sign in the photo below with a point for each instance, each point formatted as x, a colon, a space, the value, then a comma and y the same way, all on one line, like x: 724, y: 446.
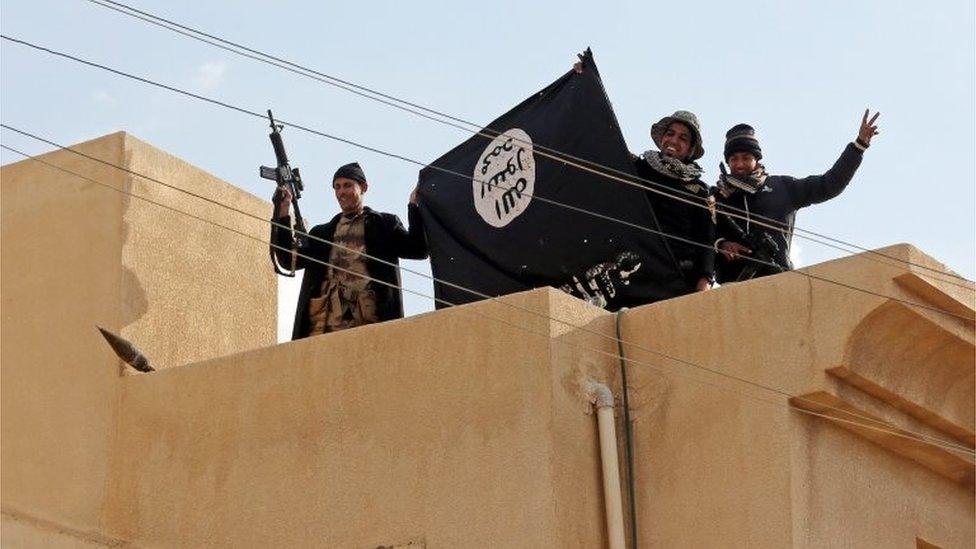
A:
x: 764, y: 206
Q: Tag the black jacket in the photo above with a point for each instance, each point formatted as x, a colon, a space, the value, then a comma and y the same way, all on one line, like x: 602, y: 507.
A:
x: 688, y: 221
x: 779, y: 199
x: 385, y: 238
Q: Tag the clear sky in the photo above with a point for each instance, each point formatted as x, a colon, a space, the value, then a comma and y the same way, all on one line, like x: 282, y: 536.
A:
x: 800, y: 72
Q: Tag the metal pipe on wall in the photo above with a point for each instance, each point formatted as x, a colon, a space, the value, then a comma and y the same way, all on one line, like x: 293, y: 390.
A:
x: 602, y: 400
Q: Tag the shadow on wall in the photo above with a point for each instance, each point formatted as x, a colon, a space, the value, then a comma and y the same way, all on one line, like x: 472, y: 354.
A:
x: 135, y: 304
x: 916, y: 358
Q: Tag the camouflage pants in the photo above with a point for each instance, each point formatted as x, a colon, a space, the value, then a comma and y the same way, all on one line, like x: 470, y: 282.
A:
x: 340, y: 307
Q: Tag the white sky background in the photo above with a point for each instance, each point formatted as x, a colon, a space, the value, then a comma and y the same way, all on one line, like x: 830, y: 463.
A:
x: 800, y: 72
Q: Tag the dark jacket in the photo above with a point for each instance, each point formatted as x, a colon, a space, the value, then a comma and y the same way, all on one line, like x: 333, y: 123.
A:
x: 385, y: 238
x: 779, y: 199
x: 688, y: 221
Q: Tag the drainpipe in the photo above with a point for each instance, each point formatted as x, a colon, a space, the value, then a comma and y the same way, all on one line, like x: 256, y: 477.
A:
x: 602, y: 400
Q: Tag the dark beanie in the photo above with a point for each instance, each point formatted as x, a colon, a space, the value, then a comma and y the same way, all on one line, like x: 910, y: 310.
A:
x: 742, y: 138
x: 350, y: 171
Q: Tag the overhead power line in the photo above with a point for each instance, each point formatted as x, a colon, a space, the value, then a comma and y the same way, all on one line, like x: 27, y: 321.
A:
x: 462, y: 176
x: 874, y: 425
x: 471, y: 127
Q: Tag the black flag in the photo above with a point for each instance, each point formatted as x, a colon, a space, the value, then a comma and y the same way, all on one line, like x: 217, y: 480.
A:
x: 492, y: 224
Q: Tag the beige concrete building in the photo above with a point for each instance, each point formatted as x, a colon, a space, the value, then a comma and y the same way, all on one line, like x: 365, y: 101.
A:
x: 807, y: 415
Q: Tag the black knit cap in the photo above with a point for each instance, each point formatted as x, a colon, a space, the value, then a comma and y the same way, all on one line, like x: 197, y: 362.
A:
x: 742, y: 138
x: 351, y: 171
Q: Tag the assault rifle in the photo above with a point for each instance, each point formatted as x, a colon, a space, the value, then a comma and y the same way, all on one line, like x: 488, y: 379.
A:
x: 764, y: 251
x: 285, y: 175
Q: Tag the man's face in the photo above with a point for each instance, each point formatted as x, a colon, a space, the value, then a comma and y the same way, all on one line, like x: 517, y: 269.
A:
x: 742, y: 163
x: 349, y: 194
x: 677, y: 141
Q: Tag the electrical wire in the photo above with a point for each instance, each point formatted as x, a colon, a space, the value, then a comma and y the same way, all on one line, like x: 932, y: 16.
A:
x: 459, y: 123
x: 921, y: 437
x: 628, y: 429
x: 464, y: 176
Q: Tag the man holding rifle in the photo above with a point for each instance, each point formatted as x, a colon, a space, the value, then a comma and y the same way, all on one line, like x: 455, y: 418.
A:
x: 761, y: 224
x: 353, y: 289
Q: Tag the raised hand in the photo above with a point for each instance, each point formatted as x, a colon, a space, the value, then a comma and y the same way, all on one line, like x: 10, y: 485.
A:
x: 282, y: 200
x: 868, y: 127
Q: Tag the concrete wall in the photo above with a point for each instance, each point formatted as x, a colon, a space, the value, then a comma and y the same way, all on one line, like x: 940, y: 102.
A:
x: 76, y: 254
x: 203, y: 287
x: 464, y: 427
x: 61, y: 272
x: 457, y: 431
x: 720, y: 459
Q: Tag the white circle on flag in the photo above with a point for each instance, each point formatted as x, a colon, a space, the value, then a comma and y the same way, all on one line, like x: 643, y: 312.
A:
x: 504, y: 178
